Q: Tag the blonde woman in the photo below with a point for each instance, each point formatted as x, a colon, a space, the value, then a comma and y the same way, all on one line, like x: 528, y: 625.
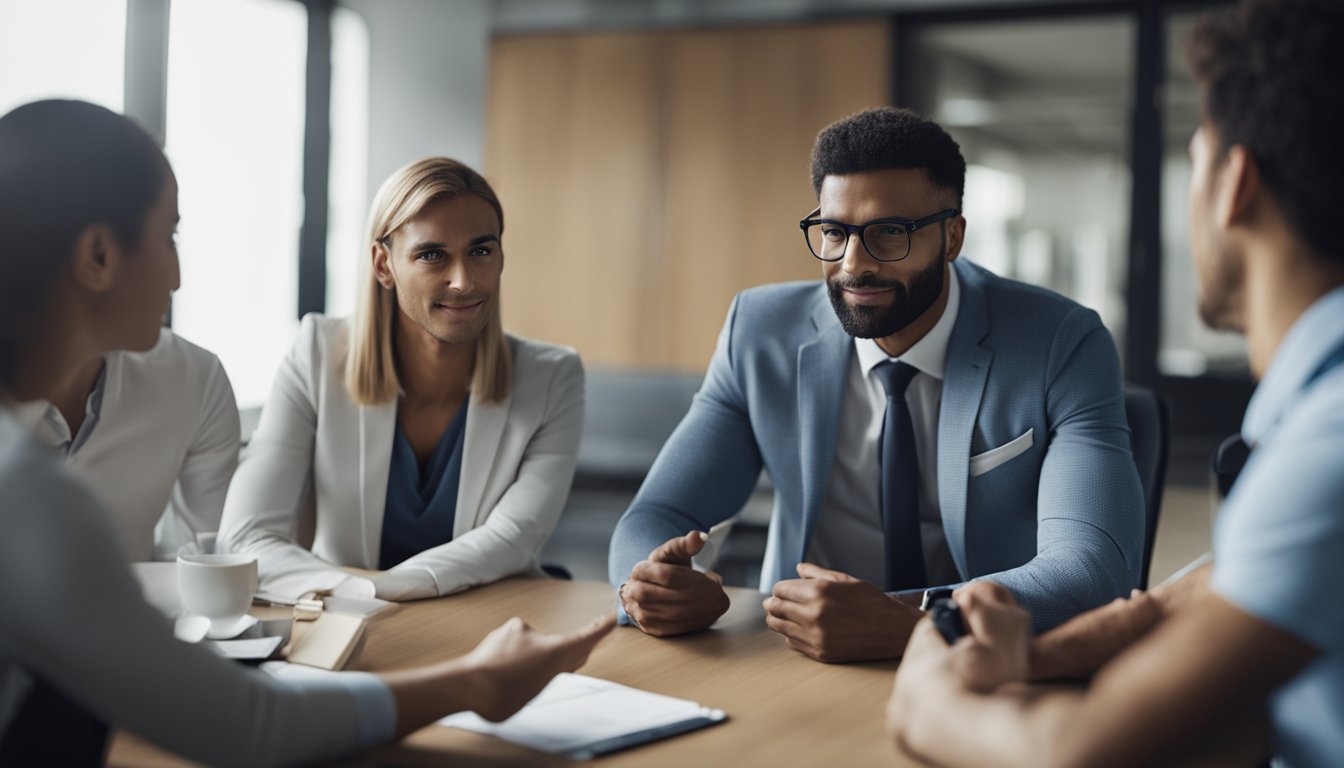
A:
x: 438, y: 450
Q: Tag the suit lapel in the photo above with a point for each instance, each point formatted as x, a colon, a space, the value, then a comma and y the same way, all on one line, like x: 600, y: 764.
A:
x: 967, y: 369
x: 377, y: 426
x: 823, y: 366
x: 485, y: 430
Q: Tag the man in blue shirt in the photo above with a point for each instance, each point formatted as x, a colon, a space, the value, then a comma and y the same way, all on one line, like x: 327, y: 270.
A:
x: 1268, y: 629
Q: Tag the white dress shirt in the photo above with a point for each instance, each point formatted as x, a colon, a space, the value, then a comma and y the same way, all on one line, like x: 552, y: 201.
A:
x: 158, y: 446
x: 74, y: 617
x: 848, y: 535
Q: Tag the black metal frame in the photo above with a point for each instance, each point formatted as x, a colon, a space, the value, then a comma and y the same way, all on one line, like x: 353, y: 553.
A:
x: 1205, y: 408
x: 910, y: 226
x: 316, y: 159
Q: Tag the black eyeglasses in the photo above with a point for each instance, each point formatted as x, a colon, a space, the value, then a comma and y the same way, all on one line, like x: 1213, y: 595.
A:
x: 885, y: 239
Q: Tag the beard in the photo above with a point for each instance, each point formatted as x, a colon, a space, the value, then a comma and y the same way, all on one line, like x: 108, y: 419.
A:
x: 908, y: 302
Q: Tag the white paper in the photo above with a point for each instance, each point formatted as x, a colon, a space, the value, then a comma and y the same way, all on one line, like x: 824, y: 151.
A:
x: 257, y: 648
x: 355, y: 606
x: 283, y: 670
x: 574, y: 711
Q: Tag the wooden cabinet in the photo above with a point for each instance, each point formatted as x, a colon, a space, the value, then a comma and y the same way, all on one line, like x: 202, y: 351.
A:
x: 646, y: 177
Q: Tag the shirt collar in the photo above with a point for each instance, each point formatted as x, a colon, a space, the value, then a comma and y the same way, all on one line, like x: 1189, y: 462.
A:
x: 1313, y: 337
x: 44, y: 419
x: 929, y: 354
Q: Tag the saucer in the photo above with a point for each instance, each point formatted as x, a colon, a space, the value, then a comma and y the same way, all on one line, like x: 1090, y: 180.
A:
x: 191, y: 629
x: 231, y: 629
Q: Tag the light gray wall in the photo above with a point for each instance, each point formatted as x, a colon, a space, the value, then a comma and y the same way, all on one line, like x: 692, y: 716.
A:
x: 427, y: 61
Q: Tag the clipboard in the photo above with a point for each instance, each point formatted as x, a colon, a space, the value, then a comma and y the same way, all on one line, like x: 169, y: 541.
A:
x: 583, y: 717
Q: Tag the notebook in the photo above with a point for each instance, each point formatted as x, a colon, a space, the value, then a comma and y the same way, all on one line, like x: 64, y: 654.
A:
x: 327, y: 642
x: 582, y: 717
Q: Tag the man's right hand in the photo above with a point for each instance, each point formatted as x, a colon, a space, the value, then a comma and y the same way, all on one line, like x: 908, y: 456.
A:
x: 665, y: 596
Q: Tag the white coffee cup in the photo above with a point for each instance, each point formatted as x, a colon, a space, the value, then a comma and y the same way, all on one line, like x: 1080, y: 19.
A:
x: 218, y: 587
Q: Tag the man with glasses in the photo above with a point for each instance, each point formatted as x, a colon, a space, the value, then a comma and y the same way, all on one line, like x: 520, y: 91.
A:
x: 923, y: 422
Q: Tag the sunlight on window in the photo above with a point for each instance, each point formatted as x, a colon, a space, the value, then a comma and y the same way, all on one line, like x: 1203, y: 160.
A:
x: 44, y: 56
x: 235, y: 138
x: 349, y: 159
x: 994, y: 199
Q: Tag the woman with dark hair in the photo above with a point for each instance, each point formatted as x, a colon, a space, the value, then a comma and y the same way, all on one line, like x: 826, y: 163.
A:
x: 88, y: 208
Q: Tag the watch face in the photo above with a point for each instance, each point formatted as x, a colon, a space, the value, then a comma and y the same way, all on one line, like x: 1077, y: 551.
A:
x: 933, y: 595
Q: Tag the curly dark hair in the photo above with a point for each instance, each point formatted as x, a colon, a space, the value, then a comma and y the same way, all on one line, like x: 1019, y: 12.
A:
x: 889, y: 137
x: 1270, y: 71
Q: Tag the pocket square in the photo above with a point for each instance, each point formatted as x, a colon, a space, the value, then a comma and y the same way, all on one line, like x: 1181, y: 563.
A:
x: 994, y: 457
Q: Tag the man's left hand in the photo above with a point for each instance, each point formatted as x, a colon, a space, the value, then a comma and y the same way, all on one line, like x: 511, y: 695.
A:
x: 832, y: 616
x: 933, y: 675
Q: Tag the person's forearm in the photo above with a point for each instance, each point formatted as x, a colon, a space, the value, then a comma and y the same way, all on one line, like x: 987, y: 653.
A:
x: 402, y: 584
x: 427, y: 694
x: 1184, y: 591
x: 1012, y: 727
x: 1078, y: 648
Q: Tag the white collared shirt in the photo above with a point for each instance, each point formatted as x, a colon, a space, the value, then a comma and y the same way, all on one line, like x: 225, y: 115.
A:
x: 848, y: 534
x: 158, y: 445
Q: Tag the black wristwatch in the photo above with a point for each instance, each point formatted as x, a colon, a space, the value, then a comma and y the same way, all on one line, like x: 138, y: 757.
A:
x: 946, y: 613
x: 933, y: 595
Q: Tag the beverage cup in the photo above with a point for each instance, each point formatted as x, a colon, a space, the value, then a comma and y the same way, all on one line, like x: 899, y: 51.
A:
x: 218, y: 587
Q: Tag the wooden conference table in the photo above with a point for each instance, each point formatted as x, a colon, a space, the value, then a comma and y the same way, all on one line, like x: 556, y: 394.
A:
x: 783, y: 708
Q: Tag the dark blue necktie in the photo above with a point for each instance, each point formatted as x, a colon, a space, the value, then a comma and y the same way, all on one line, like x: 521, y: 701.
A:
x: 900, y: 482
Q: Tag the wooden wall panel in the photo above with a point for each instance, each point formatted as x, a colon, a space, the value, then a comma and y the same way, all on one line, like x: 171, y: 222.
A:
x: 572, y: 152
x: 744, y: 109
x: 683, y: 155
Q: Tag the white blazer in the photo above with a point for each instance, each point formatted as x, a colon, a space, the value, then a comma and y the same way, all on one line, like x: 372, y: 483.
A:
x: 315, y: 444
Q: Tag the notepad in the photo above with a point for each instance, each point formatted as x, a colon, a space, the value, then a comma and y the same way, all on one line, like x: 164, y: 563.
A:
x: 327, y: 642
x: 582, y: 717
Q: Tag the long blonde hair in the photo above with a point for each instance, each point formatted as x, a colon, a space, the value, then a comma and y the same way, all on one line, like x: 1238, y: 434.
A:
x: 370, y: 366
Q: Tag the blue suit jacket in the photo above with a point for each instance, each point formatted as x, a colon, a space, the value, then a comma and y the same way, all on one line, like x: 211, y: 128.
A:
x: 1061, y: 525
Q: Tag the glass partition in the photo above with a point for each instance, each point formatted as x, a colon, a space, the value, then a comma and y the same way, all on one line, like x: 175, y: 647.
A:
x: 1041, y: 111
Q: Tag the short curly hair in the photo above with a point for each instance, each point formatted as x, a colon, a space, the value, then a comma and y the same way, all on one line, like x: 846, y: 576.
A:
x: 1269, y: 70
x: 889, y: 137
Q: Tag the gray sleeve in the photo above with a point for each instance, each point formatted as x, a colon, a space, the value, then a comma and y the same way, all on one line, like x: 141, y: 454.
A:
x: 1090, y: 509
x: 704, y: 473
x: 75, y: 617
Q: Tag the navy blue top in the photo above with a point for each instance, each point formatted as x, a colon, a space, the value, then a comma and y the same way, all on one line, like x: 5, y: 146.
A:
x: 422, y: 504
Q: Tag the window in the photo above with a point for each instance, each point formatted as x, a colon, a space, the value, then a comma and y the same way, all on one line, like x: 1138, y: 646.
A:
x: 1040, y: 109
x: 36, y: 45
x: 349, y: 179
x: 235, y: 124
x: 1188, y: 347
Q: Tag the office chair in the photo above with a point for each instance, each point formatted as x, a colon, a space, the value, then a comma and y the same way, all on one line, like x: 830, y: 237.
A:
x: 1146, y: 413
x: 1226, y: 463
